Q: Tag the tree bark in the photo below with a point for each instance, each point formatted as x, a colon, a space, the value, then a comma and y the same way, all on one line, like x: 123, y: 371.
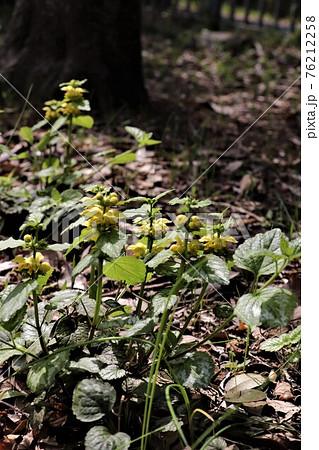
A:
x: 51, y: 41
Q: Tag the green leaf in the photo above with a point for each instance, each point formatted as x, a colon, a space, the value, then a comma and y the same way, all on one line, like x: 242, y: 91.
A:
x: 39, y: 124
x: 11, y: 243
x: 58, y: 124
x: 111, y: 244
x: 55, y: 194
x: 62, y: 299
x: 216, y: 270
x: 127, y: 269
x: 159, y: 302
x: 42, y: 280
x: 141, y: 327
x: 286, y: 339
x: 272, y: 307
x: 195, y: 369
x: 92, y: 365
x: 159, y: 258
x: 257, y: 263
x: 123, y: 158
x: 27, y: 134
x: 83, y: 264
x: 99, y: 438
x: 112, y: 372
x: 42, y: 373
x: 16, y: 300
x: 295, y: 248
x: 141, y: 136
x: 15, y: 320
x: 83, y: 121
x: 92, y: 399
x: 59, y: 247
x: 162, y: 194
x: 44, y: 141
x: 6, y: 353
x: 213, y: 270
x: 84, y: 234
x: 200, y: 204
x: 70, y: 195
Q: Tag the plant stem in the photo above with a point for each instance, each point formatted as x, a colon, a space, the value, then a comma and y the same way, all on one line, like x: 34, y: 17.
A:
x: 247, y: 346
x: 271, y: 279
x: 69, y: 144
x: 150, y: 241
x: 92, y: 285
x: 98, y: 298
x: 193, y: 312
x: 37, y: 322
x: 158, y: 350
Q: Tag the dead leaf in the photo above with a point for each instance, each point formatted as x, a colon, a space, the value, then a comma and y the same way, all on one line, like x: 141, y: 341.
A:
x: 283, y: 390
x: 283, y: 407
x: 245, y: 381
x: 244, y: 396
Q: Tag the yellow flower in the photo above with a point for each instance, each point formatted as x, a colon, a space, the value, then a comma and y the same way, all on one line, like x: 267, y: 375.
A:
x: 194, y: 224
x: 179, y: 246
x: 113, y: 199
x: 139, y: 250
x: 94, y: 214
x: 160, y: 227
x: 194, y: 246
x: 44, y: 267
x: 70, y: 110
x: 144, y: 226
x: 157, y: 248
x: 216, y: 243
x: 110, y: 217
x: 74, y: 94
x: 180, y: 220
x: 51, y: 114
x: 27, y: 238
x: 32, y: 265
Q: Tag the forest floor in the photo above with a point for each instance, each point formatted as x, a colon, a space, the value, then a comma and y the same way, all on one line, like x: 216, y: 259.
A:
x: 206, y: 92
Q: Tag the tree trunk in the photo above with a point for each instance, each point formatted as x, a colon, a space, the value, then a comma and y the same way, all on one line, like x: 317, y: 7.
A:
x: 51, y: 41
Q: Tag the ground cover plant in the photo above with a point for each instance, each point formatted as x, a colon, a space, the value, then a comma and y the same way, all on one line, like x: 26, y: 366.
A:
x: 134, y: 314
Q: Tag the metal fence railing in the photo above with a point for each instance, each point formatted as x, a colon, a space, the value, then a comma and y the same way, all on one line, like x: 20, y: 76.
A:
x: 276, y: 13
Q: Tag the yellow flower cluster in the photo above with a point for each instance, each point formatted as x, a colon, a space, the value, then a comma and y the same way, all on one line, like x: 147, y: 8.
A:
x: 215, y: 242
x: 74, y: 94
x: 193, y: 247
x: 99, y: 214
x: 32, y: 265
x: 140, y: 250
x: 70, y: 106
x: 52, y: 110
x: 194, y: 224
x: 159, y: 227
x: 70, y: 110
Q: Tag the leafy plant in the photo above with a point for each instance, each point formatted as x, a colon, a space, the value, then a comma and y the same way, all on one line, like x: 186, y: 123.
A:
x: 97, y: 349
